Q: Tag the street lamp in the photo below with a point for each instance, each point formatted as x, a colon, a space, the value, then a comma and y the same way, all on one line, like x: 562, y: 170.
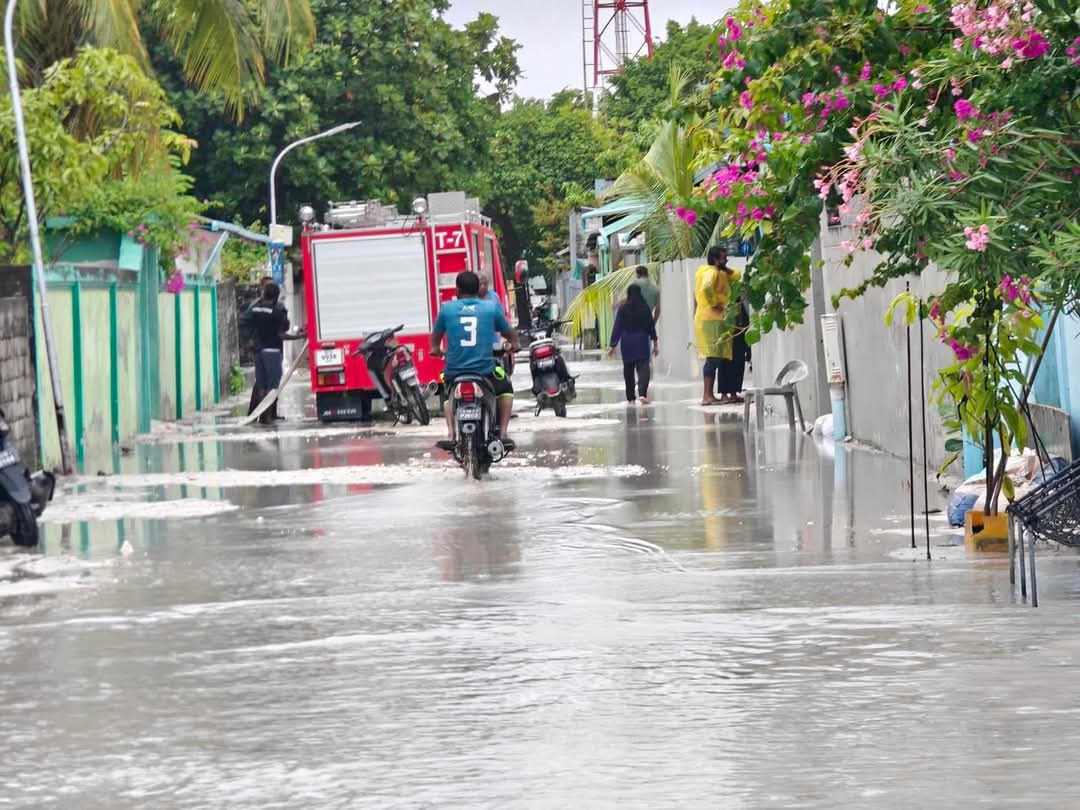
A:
x: 273, y: 207
x: 273, y: 168
x: 35, y: 237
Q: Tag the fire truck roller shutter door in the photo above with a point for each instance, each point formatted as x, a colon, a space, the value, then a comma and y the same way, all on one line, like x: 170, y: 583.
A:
x: 371, y: 282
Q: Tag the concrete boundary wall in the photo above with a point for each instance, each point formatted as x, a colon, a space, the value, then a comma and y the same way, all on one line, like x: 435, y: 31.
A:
x: 130, y: 352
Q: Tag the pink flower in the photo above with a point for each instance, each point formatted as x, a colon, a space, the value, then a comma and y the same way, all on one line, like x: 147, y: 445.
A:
x: 1008, y: 289
x: 904, y: 50
x: 680, y: 212
x: 864, y: 74
x: 950, y: 153
x: 880, y: 91
x: 964, y: 109
x: 935, y: 311
x: 734, y: 31
x: 977, y: 239
x: 746, y: 99
x: 1032, y: 45
x: 691, y: 218
x: 770, y: 212
x: 921, y: 9
x: 900, y: 84
x: 975, y: 136
x: 1007, y: 63
x: 849, y: 246
x: 961, y: 351
x: 758, y: 214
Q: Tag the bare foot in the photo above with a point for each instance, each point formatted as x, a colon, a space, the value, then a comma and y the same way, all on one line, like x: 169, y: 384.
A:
x: 644, y: 400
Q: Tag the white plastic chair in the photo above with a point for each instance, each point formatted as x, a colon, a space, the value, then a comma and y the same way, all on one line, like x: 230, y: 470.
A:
x: 786, y: 381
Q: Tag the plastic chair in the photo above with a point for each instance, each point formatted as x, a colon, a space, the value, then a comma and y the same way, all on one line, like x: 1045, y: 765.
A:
x: 786, y: 381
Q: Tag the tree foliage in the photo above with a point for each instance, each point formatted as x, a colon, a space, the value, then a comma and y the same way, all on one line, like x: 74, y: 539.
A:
x: 222, y: 44
x: 545, y: 157
x: 406, y: 74
x: 103, y: 150
x: 641, y: 92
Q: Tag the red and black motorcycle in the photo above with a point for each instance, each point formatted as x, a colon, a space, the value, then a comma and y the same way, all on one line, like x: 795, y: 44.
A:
x: 392, y: 370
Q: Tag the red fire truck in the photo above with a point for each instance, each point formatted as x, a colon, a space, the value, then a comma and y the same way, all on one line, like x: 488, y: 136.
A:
x: 367, y: 267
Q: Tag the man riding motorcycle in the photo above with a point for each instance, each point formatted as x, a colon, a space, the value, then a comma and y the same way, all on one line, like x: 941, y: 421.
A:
x: 470, y: 325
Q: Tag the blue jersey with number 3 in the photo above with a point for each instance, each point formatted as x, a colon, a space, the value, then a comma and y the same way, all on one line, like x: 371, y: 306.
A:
x: 471, y: 326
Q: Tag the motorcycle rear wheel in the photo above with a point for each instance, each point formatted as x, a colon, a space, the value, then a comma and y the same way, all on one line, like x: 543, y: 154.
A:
x: 473, y: 467
x: 559, y: 404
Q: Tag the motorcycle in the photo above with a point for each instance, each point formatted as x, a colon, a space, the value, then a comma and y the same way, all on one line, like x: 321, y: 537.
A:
x: 392, y: 369
x: 476, y: 425
x: 22, y: 498
x: 552, y: 384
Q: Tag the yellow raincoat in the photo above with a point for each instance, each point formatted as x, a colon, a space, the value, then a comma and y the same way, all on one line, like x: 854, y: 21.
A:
x: 712, y: 291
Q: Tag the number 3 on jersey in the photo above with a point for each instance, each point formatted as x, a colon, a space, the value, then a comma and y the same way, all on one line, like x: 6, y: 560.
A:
x: 469, y: 323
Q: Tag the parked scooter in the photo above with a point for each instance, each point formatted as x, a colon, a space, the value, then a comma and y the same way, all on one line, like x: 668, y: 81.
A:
x: 22, y: 498
x: 392, y: 370
x: 476, y: 425
x: 553, y: 386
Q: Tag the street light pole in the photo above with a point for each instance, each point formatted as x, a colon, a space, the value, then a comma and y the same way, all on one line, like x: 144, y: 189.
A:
x: 273, y: 168
x: 274, y: 244
x: 35, y: 237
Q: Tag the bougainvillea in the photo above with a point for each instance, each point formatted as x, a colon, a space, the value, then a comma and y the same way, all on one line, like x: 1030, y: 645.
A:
x: 943, y: 133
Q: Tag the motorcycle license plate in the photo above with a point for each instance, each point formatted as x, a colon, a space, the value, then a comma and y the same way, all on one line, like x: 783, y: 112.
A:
x: 408, y: 373
x: 547, y: 362
x: 329, y: 357
x: 8, y: 458
x: 469, y: 413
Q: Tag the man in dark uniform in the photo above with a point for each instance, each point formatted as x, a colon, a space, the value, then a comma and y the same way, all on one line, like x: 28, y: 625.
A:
x: 269, y: 321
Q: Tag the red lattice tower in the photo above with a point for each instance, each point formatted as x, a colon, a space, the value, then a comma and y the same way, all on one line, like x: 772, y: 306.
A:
x: 615, y: 31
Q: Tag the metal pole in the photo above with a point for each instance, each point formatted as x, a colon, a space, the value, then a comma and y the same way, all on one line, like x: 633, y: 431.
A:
x: 922, y: 409
x: 273, y: 167
x: 287, y: 292
x: 910, y: 431
x: 35, y: 237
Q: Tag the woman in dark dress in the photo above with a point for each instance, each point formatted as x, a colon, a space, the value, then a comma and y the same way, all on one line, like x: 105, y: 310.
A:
x: 634, y: 329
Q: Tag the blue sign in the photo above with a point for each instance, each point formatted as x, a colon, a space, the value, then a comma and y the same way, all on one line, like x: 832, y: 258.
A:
x: 277, y: 262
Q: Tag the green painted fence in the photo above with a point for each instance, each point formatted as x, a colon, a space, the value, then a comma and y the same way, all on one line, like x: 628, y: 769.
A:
x: 129, y: 352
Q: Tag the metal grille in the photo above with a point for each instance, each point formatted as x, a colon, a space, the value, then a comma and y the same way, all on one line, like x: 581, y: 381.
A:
x: 1051, y: 511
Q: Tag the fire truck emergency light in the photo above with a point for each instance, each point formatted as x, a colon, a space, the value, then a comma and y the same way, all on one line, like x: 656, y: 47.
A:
x: 419, y: 206
x: 307, y: 213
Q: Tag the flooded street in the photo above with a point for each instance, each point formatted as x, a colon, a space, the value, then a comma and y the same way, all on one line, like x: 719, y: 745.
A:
x: 646, y: 608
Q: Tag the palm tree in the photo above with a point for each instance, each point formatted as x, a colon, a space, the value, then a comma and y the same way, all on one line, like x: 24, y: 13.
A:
x: 666, y: 172
x: 221, y: 44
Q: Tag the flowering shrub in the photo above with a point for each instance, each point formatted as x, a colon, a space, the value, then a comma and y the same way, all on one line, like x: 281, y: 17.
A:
x: 945, y: 135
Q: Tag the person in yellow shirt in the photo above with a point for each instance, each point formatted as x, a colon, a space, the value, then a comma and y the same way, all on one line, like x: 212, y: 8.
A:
x: 712, y: 292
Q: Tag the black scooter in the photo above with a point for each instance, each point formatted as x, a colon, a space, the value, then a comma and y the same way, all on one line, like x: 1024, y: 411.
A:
x: 22, y: 498
x: 553, y: 386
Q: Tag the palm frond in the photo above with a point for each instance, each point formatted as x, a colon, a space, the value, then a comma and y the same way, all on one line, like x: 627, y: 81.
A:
x: 602, y: 297
x: 287, y: 28
x: 112, y: 24
x: 219, y: 45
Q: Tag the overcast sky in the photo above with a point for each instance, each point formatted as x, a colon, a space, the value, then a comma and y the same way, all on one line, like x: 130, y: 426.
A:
x: 549, y: 32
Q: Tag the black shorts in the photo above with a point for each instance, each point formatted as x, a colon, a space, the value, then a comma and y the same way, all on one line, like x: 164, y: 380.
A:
x: 498, y: 381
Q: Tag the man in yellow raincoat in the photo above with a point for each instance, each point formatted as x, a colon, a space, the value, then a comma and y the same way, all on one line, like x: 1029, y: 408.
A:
x: 712, y: 291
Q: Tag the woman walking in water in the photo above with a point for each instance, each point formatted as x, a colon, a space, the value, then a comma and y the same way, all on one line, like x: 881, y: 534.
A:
x: 634, y: 329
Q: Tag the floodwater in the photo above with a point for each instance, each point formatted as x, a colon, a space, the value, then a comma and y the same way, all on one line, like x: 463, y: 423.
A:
x: 649, y: 609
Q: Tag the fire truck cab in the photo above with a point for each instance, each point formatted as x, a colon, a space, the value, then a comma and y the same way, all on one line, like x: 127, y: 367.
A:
x: 367, y: 268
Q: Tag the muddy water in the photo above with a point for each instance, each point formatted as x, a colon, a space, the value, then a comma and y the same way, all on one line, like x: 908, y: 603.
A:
x: 735, y: 626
